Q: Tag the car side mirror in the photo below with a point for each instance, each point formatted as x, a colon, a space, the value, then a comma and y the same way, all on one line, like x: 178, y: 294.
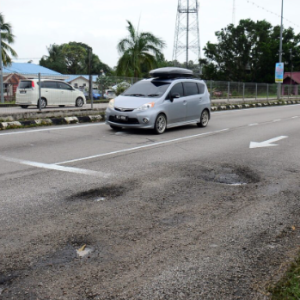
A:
x: 174, y: 96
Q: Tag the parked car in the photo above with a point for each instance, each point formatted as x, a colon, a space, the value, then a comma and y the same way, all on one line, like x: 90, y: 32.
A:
x: 171, y: 98
x: 109, y: 94
x: 96, y: 95
x: 53, y: 92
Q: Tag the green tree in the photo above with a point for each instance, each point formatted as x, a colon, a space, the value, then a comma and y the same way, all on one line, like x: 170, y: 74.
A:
x: 139, y: 52
x: 247, y: 52
x: 7, y: 38
x: 73, y: 58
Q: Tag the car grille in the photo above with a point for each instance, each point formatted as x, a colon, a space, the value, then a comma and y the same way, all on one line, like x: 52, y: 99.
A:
x: 124, y: 109
x: 128, y: 121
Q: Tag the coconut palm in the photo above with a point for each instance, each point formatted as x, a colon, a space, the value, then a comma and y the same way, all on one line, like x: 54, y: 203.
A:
x: 139, y: 52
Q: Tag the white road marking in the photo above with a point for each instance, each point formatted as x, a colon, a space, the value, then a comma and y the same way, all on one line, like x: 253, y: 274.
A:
x: 253, y: 124
x: 267, y: 143
x: 295, y: 117
x: 140, y: 147
x: 52, y: 128
x: 55, y: 167
x: 277, y: 120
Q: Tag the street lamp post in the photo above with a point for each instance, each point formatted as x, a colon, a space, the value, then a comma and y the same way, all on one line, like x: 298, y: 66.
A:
x: 280, y: 51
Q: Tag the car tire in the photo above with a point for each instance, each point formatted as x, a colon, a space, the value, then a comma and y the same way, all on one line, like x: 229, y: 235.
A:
x: 160, y: 124
x: 116, y: 128
x: 79, y: 102
x: 61, y: 105
x: 204, y: 118
x: 24, y: 106
x: 43, y: 103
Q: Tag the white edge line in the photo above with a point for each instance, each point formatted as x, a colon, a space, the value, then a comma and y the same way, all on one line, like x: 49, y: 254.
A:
x: 55, y: 167
x: 137, y: 148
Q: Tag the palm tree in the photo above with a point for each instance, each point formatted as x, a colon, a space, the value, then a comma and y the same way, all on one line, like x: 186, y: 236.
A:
x: 138, y: 51
x: 6, y: 38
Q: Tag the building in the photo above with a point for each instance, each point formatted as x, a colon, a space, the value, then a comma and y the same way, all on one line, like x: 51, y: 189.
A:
x: 291, y: 82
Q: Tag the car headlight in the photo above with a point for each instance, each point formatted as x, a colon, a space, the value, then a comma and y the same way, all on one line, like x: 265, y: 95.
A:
x: 146, y: 106
x: 111, y: 103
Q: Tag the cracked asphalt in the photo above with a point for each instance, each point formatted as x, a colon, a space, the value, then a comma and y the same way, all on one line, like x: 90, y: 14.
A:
x: 190, y: 214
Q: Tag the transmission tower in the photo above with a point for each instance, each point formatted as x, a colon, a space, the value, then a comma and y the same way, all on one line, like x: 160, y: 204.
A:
x: 187, y: 36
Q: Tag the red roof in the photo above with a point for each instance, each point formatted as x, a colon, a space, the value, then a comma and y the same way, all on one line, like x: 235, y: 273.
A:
x: 295, y: 76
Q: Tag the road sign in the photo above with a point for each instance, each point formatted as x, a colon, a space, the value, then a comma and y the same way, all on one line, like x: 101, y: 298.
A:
x: 279, y: 71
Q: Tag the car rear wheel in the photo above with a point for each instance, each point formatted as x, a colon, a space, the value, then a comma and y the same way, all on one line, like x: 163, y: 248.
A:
x: 160, y: 124
x: 24, y: 106
x: 204, y: 119
x: 79, y: 102
x: 43, y: 103
x: 61, y: 105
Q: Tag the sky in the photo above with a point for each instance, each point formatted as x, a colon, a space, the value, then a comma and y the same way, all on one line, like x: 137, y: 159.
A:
x: 102, y: 23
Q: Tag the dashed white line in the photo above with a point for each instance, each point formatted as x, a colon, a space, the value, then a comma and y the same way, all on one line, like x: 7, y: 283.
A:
x: 138, y: 148
x: 253, y: 124
x: 277, y: 120
x: 295, y: 117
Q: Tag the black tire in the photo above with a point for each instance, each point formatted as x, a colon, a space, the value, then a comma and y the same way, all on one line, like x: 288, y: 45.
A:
x: 116, y: 128
x: 204, y: 118
x: 160, y: 124
x: 61, y: 105
x: 43, y: 103
x: 79, y: 102
x: 24, y: 106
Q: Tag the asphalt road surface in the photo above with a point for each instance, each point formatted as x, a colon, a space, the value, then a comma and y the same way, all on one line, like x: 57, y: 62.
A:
x: 195, y: 213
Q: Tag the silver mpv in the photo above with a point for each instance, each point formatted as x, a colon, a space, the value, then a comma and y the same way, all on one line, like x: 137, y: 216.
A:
x: 172, y: 98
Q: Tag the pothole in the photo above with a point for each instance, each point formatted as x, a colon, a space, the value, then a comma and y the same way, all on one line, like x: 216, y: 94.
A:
x: 99, y: 194
x: 226, y: 174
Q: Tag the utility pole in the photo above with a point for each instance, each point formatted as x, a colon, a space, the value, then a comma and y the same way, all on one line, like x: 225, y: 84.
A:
x: 280, y: 52
x: 1, y: 67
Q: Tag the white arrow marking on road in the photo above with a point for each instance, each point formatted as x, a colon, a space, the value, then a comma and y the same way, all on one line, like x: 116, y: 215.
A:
x: 267, y: 143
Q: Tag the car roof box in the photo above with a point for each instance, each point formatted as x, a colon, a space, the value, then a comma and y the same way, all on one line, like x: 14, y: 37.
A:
x: 171, y: 72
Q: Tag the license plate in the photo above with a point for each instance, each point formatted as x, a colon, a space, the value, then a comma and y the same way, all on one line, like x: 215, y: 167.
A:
x: 123, y: 118
x: 22, y: 92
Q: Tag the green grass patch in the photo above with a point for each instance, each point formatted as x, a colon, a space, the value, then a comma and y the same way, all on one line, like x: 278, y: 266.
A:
x: 288, y: 288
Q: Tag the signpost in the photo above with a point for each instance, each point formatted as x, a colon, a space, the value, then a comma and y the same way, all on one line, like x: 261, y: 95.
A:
x: 279, y: 71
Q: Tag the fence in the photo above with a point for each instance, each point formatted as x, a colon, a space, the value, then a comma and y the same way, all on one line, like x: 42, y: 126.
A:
x: 59, y: 94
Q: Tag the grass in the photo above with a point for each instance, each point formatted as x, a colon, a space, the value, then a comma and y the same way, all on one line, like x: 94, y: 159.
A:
x: 288, y: 288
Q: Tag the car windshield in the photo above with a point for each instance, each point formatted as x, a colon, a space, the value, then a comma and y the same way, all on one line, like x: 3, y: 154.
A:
x: 147, y: 89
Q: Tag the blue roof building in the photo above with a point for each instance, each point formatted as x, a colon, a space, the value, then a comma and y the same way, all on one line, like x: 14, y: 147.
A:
x: 28, y: 68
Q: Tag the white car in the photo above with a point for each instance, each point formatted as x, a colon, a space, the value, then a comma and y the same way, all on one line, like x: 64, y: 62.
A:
x: 53, y: 92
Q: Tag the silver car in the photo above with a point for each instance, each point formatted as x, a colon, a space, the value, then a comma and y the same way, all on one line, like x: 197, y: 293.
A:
x: 172, y: 98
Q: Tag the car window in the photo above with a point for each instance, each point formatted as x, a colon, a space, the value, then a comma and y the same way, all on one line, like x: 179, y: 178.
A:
x: 201, y: 88
x: 190, y: 88
x: 64, y: 86
x: 49, y: 84
x: 152, y: 88
x: 176, y: 89
x: 25, y: 84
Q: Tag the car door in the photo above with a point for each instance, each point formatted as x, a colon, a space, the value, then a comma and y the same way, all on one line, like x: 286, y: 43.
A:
x: 193, y: 98
x: 50, y: 92
x: 176, y: 108
x: 66, y: 94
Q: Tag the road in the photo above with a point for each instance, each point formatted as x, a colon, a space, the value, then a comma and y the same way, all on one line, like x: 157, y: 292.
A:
x: 195, y: 213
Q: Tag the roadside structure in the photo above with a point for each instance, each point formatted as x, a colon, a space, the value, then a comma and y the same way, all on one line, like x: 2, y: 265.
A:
x: 291, y: 82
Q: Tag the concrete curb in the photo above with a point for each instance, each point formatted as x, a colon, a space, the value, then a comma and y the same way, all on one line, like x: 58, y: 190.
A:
x: 252, y: 105
x: 51, y: 121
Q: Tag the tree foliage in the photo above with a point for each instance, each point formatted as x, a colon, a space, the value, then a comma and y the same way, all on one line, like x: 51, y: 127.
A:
x: 73, y: 58
x: 7, y: 38
x: 139, y: 52
x: 248, y: 52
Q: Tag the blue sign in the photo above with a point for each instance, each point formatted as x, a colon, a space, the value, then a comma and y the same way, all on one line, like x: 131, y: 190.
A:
x: 279, y: 72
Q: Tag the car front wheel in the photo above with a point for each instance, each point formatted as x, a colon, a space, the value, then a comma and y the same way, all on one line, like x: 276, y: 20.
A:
x: 160, y: 124
x: 204, y: 119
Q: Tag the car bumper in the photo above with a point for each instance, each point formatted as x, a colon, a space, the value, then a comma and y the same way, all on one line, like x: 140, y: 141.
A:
x: 143, y: 119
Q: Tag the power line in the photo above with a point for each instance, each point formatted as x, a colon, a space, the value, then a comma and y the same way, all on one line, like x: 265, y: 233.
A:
x: 271, y: 12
